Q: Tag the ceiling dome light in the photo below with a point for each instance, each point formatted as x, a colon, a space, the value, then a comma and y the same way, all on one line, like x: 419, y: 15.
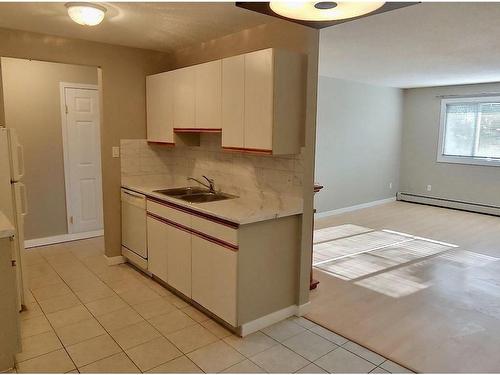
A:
x: 87, y: 14
x: 323, y: 10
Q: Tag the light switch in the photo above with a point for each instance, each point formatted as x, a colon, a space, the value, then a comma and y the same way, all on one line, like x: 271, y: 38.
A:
x: 115, y: 151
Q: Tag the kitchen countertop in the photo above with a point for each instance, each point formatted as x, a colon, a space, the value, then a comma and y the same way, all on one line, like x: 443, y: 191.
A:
x: 241, y: 210
x: 6, y: 227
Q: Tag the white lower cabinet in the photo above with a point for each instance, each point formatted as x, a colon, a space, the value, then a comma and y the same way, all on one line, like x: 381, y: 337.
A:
x: 242, y: 274
x: 214, y: 283
x: 196, y: 256
x: 170, y: 254
x: 157, y: 248
x: 179, y: 259
x: 9, y: 316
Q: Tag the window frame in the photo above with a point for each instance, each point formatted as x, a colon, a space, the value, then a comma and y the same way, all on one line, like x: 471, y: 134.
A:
x: 470, y: 160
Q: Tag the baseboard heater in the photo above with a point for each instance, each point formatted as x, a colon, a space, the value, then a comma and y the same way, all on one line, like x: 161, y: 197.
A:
x: 449, y: 203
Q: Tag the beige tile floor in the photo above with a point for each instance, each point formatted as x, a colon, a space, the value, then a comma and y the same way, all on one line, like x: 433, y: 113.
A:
x: 86, y: 316
x: 428, y: 309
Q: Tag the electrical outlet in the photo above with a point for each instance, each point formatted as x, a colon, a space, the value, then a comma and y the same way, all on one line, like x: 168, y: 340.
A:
x: 390, y: 185
x: 115, y: 151
x: 429, y: 187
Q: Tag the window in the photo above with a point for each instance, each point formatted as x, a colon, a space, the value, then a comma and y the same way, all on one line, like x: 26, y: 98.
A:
x: 470, y: 131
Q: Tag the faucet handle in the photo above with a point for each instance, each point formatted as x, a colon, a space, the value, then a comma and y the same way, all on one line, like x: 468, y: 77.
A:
x: 211, y: 183
x: 211, y: 180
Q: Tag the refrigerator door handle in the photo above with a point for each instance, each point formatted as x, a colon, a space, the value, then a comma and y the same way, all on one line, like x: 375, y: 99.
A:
x: 20, y: 160
x: 24, y: 199
x: 17, y: 156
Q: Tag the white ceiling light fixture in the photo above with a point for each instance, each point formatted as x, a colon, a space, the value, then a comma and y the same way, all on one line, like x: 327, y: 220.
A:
x: 87, y: 14
x: 323, y: 10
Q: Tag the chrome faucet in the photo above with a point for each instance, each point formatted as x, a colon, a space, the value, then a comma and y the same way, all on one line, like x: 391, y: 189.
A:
x: 210, y: 186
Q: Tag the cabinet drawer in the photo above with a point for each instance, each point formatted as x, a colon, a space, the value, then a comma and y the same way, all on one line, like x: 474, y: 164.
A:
x: 133, y: 198
x: 218, y: 231
x: 169, y: 213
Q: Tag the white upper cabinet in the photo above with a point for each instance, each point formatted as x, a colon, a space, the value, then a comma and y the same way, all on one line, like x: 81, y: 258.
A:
x: 159, y: 108
x: 184, y: 97
x: 263, y: 102
x: 197, y: 96
x: 208, y: 94
x: 233, y: 103
x: 258, y: 99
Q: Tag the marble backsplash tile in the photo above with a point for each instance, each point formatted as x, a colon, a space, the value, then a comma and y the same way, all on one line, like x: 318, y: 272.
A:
x: 236, y: 173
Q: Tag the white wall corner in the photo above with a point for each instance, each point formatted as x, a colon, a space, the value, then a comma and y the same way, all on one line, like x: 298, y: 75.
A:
x: 274, y: 317
x: 303, y: 309
x: 113, y: 261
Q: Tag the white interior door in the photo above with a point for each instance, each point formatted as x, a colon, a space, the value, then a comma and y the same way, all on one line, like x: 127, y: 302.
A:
x: 82, y: 148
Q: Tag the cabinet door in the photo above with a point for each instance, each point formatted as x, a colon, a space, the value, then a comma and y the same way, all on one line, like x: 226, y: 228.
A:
x: 157, y: 248
x: 259, y: 100
x: 159, y: 108
x: 179, y: 259
x: 9, y: 317
x: 214, y: 280
x: 233, y: 102
x: 208, y: 95
x: 184, y: 97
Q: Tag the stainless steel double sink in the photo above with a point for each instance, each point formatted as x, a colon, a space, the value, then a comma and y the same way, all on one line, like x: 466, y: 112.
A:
x: 195, y: 194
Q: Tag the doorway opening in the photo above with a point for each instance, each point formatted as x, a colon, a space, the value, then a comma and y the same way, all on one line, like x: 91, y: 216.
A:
x: 55, y: 110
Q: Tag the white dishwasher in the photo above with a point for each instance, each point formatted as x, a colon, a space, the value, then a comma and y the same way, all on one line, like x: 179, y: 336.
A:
x: 134, y: 232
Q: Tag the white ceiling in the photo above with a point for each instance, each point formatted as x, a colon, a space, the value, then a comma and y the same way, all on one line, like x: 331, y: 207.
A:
x: 157, y: 26
x: 428, y: 44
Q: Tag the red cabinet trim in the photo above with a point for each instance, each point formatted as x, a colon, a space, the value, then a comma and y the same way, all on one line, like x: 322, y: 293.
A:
x: 161, y: 143
x: 197, y: 130
x: 250, y: 150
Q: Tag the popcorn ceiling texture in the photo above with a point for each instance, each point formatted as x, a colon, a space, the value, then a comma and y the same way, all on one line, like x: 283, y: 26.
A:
x: 241, y: 174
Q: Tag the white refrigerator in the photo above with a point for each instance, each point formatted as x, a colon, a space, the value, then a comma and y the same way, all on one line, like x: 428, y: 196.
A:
x: 13, y: 198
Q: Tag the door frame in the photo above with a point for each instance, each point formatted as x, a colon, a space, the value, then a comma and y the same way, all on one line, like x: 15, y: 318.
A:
x: 67, y: 184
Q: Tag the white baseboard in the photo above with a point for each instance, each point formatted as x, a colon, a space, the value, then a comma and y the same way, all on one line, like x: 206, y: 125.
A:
x: 62, y: 238
x: 275, y: 317
x: 135, y: 259
x: 339, y: 211
x: 113, y: 261
x: 303, y: 309
x: 449, y: 203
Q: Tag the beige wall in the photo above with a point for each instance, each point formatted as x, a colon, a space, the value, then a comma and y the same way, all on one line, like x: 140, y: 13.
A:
x: 33, y: 107
x: 286, y: 35
x: 358, y: 145
x: 123, y: 109
x: 419, y: 168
